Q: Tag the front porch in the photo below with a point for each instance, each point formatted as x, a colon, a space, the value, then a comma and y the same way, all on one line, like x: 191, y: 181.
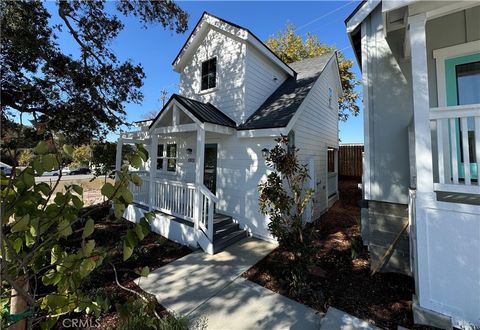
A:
x: 179, y: 180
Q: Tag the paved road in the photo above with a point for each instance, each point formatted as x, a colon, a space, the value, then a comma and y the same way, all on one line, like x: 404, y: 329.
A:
x: 63, y: 178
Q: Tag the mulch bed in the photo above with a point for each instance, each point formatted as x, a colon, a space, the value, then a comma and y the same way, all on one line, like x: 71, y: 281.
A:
x: 154, y: 251
x: 341, y: 275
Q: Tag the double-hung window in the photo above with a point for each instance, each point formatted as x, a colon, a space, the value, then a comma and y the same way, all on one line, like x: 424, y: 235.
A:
x: 209, y: 74
x: 171, y: 157
x: 167, y: 157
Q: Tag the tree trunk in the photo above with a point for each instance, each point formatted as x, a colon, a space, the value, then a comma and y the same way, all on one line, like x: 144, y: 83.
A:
x: 18, y: 304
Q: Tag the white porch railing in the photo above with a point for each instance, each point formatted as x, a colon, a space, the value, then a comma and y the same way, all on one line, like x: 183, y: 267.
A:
x: 141, y: 193
x: 206, y: 211
x: 458, y: 145
x: 174, y: 198
x: 180, y: 199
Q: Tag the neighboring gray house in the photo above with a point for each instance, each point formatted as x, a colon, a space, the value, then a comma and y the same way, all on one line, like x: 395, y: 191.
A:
x: 208, y: 144
x: 420, y: 63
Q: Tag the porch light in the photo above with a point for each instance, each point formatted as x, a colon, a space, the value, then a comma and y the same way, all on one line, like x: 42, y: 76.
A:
x: 265, y: 152
x: 189, y: 151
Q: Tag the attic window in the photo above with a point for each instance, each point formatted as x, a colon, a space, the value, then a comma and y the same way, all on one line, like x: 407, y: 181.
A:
x: 209, y: 73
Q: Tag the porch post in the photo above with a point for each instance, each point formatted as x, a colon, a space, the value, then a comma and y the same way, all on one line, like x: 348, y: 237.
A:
x: 153, y: 170
x: 199, y: 165
x: 421, y: 103
x: 118, y: 158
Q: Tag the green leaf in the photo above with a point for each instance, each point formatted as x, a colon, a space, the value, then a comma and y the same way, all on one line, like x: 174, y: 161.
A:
x: 64, y: 228
x: 137, y: 180
x: 28, y: 178
x: 38, y: 166
x: 127, y: 196
x: 144, y: 271
x: 21, y: 224
x: 131, y: 238
x: 68, y: 149
x: 78, y: 189
x: 77, y: 202
x: 88, y: 247
x: 89, y: 228
x: 29, y: 240
x: 107, y: 190
x: 127, y: 250
x: 49, y: 162
x: 43, y: 187
x: 136, y: 161
x: 139, y: 232
x: 55, y: 254
x: 149, y: 216
x: 86, y: 267
x: 17, y: 244
x: 41, y: 148
x: 145, y: 226
x: 60, y: 199
x: 118, y: 209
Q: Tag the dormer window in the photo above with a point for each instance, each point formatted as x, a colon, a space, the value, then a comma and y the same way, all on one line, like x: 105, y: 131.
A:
x: 209, y: 73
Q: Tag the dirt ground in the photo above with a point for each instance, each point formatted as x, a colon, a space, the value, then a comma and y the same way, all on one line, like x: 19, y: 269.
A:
x: 341, y: 274
x: 154, y: 251
x: 91, y: 188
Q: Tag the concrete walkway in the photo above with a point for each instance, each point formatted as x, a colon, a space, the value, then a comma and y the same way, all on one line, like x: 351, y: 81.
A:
x: 210, y: 286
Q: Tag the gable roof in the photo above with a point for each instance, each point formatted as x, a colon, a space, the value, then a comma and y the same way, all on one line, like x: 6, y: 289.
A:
x: 204, y: 112
x: 281, y: 106
x: 249, y: 36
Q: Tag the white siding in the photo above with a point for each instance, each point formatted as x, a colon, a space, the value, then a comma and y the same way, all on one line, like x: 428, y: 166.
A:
x: 229, y: 93
x: 240, y: 169
x: 259, y: 82
x: 317, y: 128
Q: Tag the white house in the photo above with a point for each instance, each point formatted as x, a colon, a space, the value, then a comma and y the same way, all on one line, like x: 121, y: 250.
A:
x: 420, y: 64
x: 207, y: 145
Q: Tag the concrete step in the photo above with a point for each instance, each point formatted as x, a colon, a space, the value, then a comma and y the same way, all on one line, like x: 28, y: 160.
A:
x: 228, y: 240
x: 224, y: 230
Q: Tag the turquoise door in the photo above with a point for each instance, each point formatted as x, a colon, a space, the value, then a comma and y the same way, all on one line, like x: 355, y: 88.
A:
x: 462, y: 77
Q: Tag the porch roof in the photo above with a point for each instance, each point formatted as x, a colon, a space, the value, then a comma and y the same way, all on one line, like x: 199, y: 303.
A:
x: 204, y: 112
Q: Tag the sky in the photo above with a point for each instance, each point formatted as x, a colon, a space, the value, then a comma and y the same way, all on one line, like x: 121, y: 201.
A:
x: 155, y: 48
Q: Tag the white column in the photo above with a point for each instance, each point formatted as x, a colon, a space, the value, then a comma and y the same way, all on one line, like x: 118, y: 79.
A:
x: 199, y: 169
x: 421, y: 104
x: 153, y: 169
x: 118, y: 159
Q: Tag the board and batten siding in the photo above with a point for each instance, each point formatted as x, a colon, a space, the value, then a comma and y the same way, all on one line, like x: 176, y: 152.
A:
x: 388, y: 110
x: 229, y: 93
x: 260, y: 80
x: 316, y: 129
x: 240, y: 169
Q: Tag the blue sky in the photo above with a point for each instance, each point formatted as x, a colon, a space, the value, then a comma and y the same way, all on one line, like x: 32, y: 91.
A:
x: 155, y: 48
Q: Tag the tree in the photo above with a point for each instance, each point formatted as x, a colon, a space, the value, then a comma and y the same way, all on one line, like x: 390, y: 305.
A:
x: 26, y: 156
x: 291, y: 47
x: 36, y: 219
x: 103, y: 157
x: 81, y: 96
x: 82, y: 156
x: 284, y: 198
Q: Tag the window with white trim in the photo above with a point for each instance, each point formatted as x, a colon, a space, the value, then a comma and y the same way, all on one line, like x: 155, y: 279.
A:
x: 171, y: 157
x: 209, y: 74
x: 160, y: 157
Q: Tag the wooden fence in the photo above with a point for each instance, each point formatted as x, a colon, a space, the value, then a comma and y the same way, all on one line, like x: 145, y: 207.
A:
x: 350, y: 160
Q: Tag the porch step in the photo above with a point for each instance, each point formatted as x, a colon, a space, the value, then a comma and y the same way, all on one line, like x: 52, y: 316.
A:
x: 228, y: 240
x: 225, y: 232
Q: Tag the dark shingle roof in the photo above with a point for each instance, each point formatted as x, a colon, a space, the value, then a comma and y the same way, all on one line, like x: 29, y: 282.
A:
x: 205, y: 112
x: 280, y: 107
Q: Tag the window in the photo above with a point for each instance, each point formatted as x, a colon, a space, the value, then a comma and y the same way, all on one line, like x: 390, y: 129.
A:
x: 171, y: 157
x: 209, y: 73
x: 468, y: 92
x: 160, y: 157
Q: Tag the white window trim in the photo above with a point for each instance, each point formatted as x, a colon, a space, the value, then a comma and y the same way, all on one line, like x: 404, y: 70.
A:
x: 211, y: 89
x: 442, y: 54
x: 164, y: 158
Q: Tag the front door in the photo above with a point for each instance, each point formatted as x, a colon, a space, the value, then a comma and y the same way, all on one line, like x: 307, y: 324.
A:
x: 210, y: 167
x: 463, y: 87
